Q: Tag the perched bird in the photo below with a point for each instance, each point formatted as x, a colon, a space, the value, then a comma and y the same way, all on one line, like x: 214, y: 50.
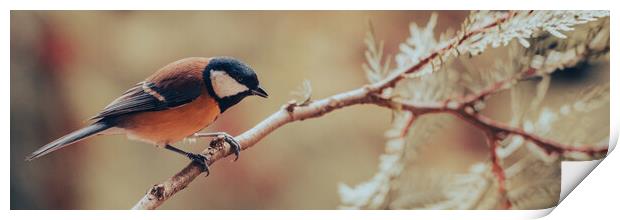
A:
x: 177, y: 101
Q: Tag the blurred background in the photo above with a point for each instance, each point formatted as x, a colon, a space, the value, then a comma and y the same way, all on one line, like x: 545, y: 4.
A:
x: 66, y: 66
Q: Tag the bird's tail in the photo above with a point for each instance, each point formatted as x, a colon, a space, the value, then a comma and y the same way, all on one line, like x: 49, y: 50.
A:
x: 69, y: 139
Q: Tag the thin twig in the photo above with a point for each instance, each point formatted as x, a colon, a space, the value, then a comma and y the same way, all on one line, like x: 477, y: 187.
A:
x: 498, y: 169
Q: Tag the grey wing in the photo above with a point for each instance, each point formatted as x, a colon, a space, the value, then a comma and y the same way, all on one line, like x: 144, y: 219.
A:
x: 148, y: 96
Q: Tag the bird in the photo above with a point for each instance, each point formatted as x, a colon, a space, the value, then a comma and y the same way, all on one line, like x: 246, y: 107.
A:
x: 175, y: 102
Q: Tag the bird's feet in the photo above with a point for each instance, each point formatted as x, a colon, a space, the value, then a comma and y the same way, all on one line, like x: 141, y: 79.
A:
x: 234, y: 144
x: 201, y: 160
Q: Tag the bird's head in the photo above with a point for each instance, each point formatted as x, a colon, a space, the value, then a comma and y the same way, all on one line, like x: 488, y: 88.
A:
x: 229, y: 80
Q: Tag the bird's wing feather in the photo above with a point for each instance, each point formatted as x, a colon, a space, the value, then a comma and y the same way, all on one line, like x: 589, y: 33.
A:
x: 167, y: 93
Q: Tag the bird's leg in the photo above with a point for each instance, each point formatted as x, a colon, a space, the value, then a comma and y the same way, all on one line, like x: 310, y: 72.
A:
x: 196, y: 158
x: 223, y: 136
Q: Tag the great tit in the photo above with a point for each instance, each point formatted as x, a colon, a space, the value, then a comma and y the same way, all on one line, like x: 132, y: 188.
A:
x: 175, y: 102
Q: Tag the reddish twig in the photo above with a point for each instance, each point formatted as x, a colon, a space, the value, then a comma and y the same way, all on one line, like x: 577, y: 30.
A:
x: 498, y: 169
x: 464, y: 110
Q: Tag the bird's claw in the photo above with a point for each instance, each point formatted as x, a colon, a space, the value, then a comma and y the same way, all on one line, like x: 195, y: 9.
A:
x: 200, y: 160
x: 234, y: 144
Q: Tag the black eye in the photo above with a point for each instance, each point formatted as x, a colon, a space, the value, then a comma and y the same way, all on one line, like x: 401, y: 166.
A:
x: 242, y: 81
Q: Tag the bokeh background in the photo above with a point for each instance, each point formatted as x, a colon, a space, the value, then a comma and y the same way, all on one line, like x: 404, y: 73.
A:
x: 66, y: 66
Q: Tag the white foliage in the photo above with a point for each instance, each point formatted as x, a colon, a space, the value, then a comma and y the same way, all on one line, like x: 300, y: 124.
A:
x: 440, y: 190
x: 375, y: 68
x: 419, y: 45
x: 303, y: 93
x: 522, y: 25
x: 371, y: 194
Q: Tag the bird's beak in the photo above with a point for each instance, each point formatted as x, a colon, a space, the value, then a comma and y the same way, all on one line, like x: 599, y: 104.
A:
x: 259, y: 92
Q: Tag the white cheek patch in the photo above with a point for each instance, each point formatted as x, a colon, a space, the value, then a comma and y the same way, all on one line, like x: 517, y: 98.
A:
x: 224, y: 85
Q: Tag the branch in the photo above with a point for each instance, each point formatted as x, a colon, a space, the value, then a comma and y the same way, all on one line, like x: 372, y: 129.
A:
x: 369, y: 94
x: 159, y: 193
x: 465, y: 110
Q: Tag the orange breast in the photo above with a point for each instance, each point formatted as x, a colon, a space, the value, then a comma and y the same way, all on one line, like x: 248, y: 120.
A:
x: 169, y: 126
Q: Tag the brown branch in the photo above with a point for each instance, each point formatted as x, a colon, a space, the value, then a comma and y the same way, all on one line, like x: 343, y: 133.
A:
x: 465, y: 111
x: 369, y: 94
x: 288, y: 113
x: 549, y: 146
